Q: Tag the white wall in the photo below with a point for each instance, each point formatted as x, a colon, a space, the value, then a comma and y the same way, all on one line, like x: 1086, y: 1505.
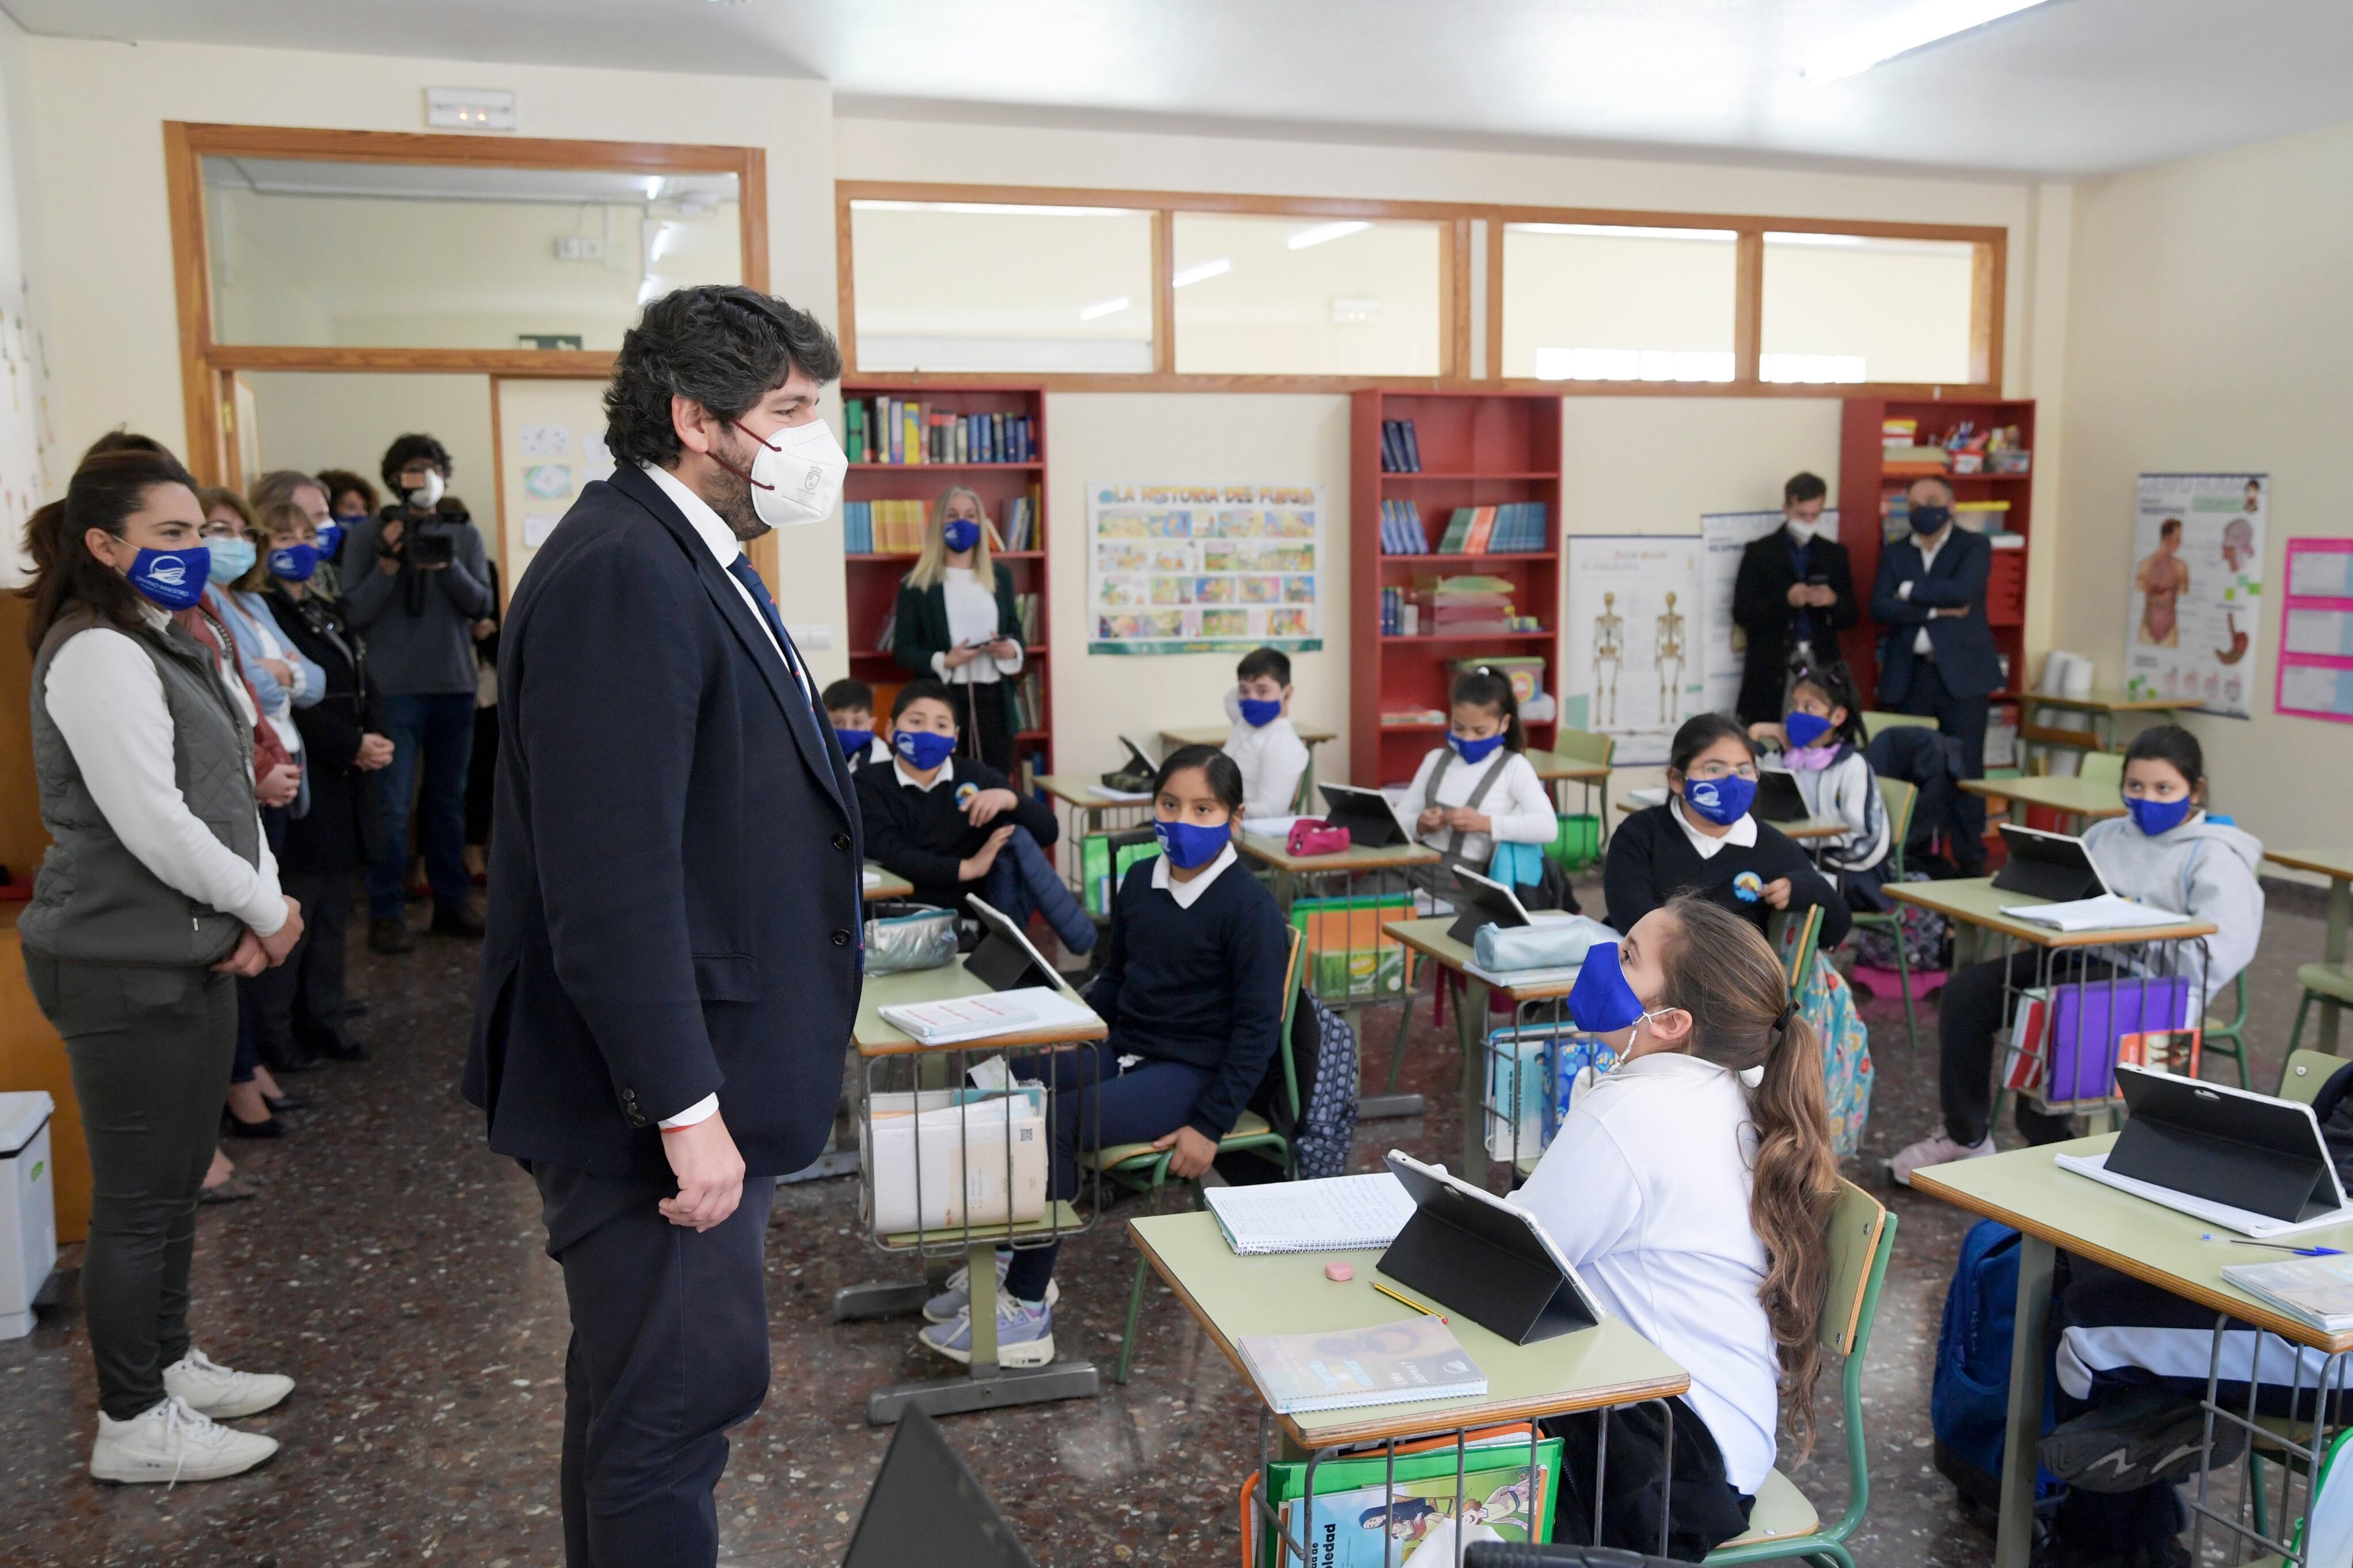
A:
x: 2211, y: 330
x: 28, y: 472
x: 313, y: 420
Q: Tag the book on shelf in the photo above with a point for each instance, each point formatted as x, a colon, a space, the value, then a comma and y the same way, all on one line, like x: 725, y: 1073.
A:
x: 2316, y: 1290
x: 883, y: 527
x: 1020, y: 522
x: 884, y: 429
x: 1454, y: 606
x: 1401, y: 532
x: 1400, y: 452
x: 1899, y: 433
x: 889, y: 631
x: 1393, y: 1364
x: 1512, y: 528
x: 1026, y: 610
x: 1026, y: 702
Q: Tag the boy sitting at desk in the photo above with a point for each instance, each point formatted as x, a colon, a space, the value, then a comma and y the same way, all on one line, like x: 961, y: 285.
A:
x: 1271, y: 756
x: 850, y: 707
x: 953, y: 825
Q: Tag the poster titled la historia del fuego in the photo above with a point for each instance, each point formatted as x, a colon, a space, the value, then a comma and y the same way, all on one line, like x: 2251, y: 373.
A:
x: 1203, y: 567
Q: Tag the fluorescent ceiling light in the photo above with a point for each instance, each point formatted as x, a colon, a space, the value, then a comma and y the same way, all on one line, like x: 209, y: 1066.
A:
x: 1915, y: 26
x: 653, y: 188
x: 1322, y: 233
x: 1096, y: 312
x: 1626, y: 231
x: 1206, y: 270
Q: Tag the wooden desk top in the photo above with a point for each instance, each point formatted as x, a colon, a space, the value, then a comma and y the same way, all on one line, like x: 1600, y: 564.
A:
x: 875, y: 1037
x: 1286, y: 1293
x: 1552, y: 765
x: 1976, y: 901
x: 1077, y: 791
x: 1215, y: 735
x: 1429, y: 938
x: 2105, y: 702
x: 2158, y: 1246
x: 1356, y: 857
x: 2334, y: 864
x: 882, y: 884
x: 2092, y: 798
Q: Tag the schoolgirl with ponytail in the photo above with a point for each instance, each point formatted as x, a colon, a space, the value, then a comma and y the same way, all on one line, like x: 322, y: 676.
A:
x: 1691, y: 1187
x: 1477, y: 793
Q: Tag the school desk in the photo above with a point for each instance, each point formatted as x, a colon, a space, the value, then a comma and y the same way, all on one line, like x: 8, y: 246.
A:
x: 986, y: 1387
x: 1805, y: 828
x: 2085, y: 800
x: 880, y: 884
x: 1560, y: 770
x: 1287, y: 1293
x: 2058, y: 1210
x: 2336, y: 865
x: 1313, y: 735
x: 2105, y: 708
x: 1087, y: 812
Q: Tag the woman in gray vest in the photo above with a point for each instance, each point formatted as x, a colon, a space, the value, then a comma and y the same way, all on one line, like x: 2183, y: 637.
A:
x: 156, y: 892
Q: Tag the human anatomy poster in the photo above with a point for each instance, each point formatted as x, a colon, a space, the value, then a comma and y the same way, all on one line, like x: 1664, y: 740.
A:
x: 1727, y: 536
x: 2196, y: 586
x: 1633, y: 638
x: 1204, y: 568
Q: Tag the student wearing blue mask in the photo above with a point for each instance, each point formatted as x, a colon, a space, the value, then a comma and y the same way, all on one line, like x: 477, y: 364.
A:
x: 1821, y: 737
x: 2165, y: 852
x: 1478, y: 792
x: 1192, y: 986
x: 1704, y: 840
x: 958, y: 622
x: 849, y: 708
x: 1271, y: 756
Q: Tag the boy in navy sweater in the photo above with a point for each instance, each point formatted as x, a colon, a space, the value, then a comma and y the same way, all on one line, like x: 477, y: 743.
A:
x: 1191, y: 982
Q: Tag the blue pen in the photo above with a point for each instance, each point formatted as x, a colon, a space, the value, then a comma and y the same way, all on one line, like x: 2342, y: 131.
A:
x: 2279, y: 1247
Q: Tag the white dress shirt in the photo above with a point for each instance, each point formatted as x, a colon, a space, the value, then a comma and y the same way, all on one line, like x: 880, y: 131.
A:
x: 1187, y: 891
x: 907, y: 776
x: 1920, y: 643
x: 972, y: 617
x: 1518, y: 809
x: 1272, y: 759
x: 1743, y: 832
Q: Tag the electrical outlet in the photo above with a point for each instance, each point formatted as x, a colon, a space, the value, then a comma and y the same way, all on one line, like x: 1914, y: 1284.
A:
x: 580, y: 247
x: 817, y: 633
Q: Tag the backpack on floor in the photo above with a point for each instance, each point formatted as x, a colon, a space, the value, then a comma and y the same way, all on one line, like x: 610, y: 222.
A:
x: 1969, y: 1403
x: 1927, y: 939
x: 1324, y: 1056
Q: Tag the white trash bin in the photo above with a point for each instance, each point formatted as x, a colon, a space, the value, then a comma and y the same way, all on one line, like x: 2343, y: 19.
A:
x: 28, y: 1209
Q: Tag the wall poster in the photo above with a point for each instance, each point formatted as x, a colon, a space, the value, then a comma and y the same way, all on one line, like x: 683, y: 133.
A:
x: 2197, y: 576
x: 1727, y: 536
x: 1204, y: 568
x: 2316, y: 660
x: 1633, y: 638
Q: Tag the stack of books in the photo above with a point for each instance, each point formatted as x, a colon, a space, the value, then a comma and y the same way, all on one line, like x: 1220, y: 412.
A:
x: 1027, y: 704
x: 1018, y: 529
x: 1400, y: 618
x: 1025, y: 607
x: 883, y: 527
x: 1401, y: 532
x: 2316, y: 1290
x: 1514, y: 528
x: 1400, y: 452
x: 890, y: 431
x: 1456, y: 606
x: 1899, y: 433
x: 1916, y: 461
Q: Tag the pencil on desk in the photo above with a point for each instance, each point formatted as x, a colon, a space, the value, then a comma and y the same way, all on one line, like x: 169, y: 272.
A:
x: 1425, y: 1312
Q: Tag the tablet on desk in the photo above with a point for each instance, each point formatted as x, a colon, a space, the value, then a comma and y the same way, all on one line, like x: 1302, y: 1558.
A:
x: 2250, y: 1162
x: 2048, y: 866
x: 1473, y: 1253
x: 1364, y: 813
x: 1482, y: 901
x: 1005, y: 960
x: 1778, y: 799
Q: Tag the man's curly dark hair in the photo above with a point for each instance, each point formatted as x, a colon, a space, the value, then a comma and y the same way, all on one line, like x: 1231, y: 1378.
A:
x: 406, y: 449
x: 724, y: 346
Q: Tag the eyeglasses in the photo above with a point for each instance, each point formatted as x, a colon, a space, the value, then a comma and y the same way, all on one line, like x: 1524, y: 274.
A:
x: 1712, y: 770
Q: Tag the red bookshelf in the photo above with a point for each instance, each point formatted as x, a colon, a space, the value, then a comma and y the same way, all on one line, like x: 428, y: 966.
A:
x: 872, y: 580
x: 1477, y: 448
x: 1865, y: 488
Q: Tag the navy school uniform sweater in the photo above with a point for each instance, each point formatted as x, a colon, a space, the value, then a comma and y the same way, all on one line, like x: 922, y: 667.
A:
x: 1650, y: 860
x: 924, y: 835
x: 1202, y: 985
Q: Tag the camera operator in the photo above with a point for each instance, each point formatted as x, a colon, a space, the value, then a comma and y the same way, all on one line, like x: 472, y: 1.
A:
x: 417, y: 582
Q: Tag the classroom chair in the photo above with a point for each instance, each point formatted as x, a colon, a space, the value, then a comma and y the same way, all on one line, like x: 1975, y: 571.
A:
x: 1142, y: 1168
x: 2233, y: 1029
x: 1783, y: 1523
x: 2321, y: 982
x: 1795, y: 933
x: 1898, y: 797
x: 1587, y: 747
x: 2306, y: 1072
x: 1873, y: 721
x: 2102, y: 767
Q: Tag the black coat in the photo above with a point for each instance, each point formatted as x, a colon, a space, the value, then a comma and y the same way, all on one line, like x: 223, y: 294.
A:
x: 1761, y: 608
x: 674, y: 897
x: 344, y: 826
x: 1965, y: 655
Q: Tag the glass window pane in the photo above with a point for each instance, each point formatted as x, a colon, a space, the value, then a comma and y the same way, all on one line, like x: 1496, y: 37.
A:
x: 447, y: 255
x: 1306, y: 296
x: 972, y: 286
x: 1845, y: 308
x: 1594, y: 302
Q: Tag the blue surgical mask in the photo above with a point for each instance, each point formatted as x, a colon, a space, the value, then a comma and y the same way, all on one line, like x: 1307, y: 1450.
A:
x: 229, y: 558
x: 1189, y: 844
x: 1723, y: 801
x: 1471, y: 750
x: 1602, y: 1002
x: 922, y: 749
x: 960, y: 533
x: 1927, y: 522
x: 172, y: 578
x: 294, y: 562
x: 1804, y: 729
x: 1257, y: 715
x: 853, y: 742
x: 330, y: 537
x: 2155, y: 817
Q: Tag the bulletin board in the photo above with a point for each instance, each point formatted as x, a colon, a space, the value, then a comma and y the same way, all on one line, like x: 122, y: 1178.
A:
x: 1204, y: 568
x: 2316, y: 663
x: 1633, y: 638
x: 550, y: 440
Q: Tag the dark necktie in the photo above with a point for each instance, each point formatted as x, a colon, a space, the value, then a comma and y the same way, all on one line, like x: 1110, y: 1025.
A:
x: 741, y: 569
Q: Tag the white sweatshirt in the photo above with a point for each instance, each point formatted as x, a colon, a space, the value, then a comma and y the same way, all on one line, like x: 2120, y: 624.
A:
x: 1847, y: 789
x: 1272, y: 759
x: 2203, y: 868
x: 1518, y: 806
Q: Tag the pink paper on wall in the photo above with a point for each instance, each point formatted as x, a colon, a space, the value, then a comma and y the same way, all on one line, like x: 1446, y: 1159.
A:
x: 2315, y: 658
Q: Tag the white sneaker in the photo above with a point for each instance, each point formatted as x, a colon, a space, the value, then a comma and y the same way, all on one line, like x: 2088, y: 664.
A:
x: 1937, y: 1148
x: 953, y: 1303
x: 171, y: 1443
x: 1025, y: 1335
x: 211, y: 1389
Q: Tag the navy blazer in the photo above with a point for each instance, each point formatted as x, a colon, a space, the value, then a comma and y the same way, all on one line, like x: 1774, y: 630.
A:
x: 674, y: 898
x: 1965, y: 657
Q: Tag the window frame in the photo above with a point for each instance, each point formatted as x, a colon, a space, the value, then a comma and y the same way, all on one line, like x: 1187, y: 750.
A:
x: 1991, y: 243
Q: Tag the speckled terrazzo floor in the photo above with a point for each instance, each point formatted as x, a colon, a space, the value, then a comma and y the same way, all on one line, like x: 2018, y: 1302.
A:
x: 392, y: 1266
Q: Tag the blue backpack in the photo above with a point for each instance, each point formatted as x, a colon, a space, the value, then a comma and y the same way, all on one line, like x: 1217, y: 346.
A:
x: 1968, y: 1404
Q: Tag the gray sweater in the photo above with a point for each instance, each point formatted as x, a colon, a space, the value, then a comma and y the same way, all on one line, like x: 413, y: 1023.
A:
x: 419, y: 625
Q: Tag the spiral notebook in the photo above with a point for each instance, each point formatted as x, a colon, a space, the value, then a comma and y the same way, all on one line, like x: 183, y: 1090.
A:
x: 1337, y: 1213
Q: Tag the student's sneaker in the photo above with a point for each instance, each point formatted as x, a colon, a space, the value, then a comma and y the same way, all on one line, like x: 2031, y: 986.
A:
x: 950, y: 1304
x: 1937, y: 1148
x: 2124, y: 1444
x: 209, y: 1388
x: 1025, y: 1335
x: 171, y: 1443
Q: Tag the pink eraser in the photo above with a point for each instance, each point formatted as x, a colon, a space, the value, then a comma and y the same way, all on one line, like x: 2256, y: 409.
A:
x: 1338, y: 1271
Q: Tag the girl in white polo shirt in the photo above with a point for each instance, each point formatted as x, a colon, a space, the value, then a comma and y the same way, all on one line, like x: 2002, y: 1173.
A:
x: 1692, y: 1188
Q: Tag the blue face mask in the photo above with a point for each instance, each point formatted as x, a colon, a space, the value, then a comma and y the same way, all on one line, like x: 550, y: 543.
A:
x: 1723, y: 801
x: 1927, y: 522
x: 1804, y: 729
x: 295, y: 563
x: 1471, y: 750
x: 922, y: 749
x: 853, y: 742
x: 1189, y: 844
x: 961, y: 533
x: 172, y: 578
x: 229, y: 558
x: 2155, y: 817
x: 1257, y: 715
x: 331, y: 536
x: 1602, y: 1002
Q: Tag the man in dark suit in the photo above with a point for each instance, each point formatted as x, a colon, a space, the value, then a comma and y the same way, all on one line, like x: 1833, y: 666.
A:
x: 1938, y: 656
x: 1793, y: 597
x: 672, y: 966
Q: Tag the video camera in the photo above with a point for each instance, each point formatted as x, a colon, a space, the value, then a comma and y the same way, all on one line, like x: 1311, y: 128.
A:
x: 432, y: 540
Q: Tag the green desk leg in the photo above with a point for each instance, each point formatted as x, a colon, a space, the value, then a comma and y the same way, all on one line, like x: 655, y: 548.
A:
x: 1474, y: 1086
x: 2014, y: 1536
x: 2340, y: 914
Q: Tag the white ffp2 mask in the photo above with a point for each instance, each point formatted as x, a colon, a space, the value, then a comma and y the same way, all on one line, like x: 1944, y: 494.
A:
x: 797, y: 475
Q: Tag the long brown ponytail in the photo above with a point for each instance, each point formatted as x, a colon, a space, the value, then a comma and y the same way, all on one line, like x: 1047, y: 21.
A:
x: 1719, y: 970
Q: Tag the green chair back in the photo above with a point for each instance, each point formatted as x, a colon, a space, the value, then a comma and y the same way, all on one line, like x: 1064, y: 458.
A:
x: 2104, y: 767
x: 1585, y: 746
x: 1874, y: 720
x: 1899, y: 797
x: 2306, y: 1072
x: 1794, y: 934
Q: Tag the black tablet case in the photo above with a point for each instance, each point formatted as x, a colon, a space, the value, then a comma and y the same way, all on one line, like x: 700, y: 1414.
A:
x: 1371, y: 826
x: 1777, y: 798
x: 926, y: 1509
x: 2188, y: 1138
x: 2025, y: 872
x: 1471, y: 1259
x: 1477, y: 906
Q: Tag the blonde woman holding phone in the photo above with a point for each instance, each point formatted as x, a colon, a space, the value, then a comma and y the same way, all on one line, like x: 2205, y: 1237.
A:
x: 957, y: 623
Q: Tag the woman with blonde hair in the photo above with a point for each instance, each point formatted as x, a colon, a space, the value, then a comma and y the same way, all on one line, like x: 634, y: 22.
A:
x: 957, y: 623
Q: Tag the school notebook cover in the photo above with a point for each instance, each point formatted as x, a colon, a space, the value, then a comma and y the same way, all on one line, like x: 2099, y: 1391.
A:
x: 1336, y: 1214
x: 1414, y: 1358
x: 2317, y: 1290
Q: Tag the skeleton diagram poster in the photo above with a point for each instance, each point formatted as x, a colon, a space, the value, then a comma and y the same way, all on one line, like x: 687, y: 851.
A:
x: 2197, y: 583
x: 1633, y: 638
x: 1204, y: 568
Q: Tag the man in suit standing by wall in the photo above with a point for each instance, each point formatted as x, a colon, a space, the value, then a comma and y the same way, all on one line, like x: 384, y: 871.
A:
x: 1794, y: 595
x: 1937, y: 658
x: 671, y: 967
